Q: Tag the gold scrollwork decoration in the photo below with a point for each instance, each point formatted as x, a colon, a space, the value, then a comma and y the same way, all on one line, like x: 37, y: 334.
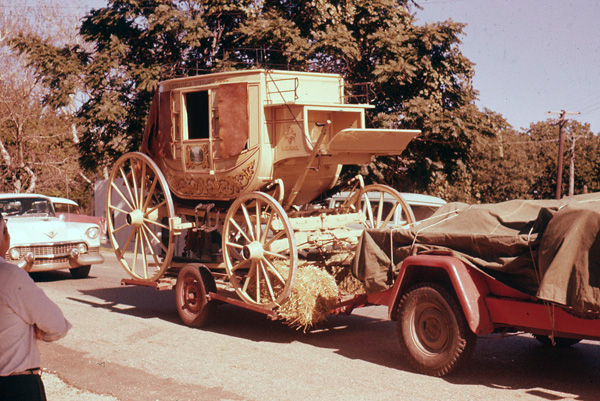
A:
x: 198, y: 186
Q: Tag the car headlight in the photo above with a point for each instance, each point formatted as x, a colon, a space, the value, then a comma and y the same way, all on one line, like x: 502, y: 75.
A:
x: 14, y: 254
x: 92, y: 232
x: 82, y: 248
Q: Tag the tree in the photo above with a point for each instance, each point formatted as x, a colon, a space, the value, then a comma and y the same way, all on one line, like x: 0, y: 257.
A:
x: 504, y: 166
x: 37, y: 143
x: 420, y: 78
x: 132, y: 43
x: 523, y: 165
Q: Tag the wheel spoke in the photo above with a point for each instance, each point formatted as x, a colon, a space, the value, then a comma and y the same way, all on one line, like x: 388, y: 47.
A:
x: 142, y: 183
x: 240, y: 230
x: 151, y: 248
x: 380, y: 209
x: 369, y: 210
x: 150, y: 194
x: 155, y: 223
x: 117, y: 209
x: 276, y: 255
x: 135, y: 250
x: 135, y: 186
x: 248, y: 276
x: 153, y: 234
x: 234, y: 245
x: 126, y: 182
x: 263, y: 237
x: 257, y: 272
x: 151, y: 210
x: 388, y: 217
x: 114, y: 186
x: 131, y: 234
x: 240, y: 265
x: 267, y: 280
x: 116, y: 230
x: 143, y: 249
x: 274, y: 270
x: 274, y: 238
x: 248, y: 222
x: 258, y: 214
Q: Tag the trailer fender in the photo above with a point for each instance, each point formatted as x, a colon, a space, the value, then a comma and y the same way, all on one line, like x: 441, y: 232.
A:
x: 469, y: 286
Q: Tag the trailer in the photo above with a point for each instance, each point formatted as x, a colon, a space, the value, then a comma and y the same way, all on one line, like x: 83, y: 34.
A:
x: 474, y: 270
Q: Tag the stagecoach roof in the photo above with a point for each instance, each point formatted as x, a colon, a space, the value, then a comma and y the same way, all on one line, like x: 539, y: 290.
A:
x: 254, y: 72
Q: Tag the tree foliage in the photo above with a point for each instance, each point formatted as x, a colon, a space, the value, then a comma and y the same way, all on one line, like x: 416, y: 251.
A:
x: 523, y: 165
x: 419, y: 80
x: 37, y: 145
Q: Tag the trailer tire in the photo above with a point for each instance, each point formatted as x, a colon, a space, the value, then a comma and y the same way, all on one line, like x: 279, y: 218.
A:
x: 433, y: 331
x: 191, y: 291
x: 559, y: 342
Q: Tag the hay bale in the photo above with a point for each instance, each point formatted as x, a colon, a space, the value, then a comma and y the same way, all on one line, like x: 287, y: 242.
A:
x: 314, y: 294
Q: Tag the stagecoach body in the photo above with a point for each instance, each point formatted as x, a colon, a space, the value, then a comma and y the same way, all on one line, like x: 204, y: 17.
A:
x: 220, y: 136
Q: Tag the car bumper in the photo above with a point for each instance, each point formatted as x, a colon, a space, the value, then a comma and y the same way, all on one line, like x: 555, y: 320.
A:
x: 32, y: 264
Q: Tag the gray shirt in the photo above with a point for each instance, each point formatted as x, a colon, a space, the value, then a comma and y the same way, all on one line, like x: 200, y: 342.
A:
x: 26, y: 313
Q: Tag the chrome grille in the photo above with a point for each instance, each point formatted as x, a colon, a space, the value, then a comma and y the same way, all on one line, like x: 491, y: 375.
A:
x: 58, y: 252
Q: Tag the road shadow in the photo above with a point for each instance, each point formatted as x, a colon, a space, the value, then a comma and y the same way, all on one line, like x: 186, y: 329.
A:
x: 141, y: 302
x: 513, y: 362
x: 55, y: 275
x: 520, y: 362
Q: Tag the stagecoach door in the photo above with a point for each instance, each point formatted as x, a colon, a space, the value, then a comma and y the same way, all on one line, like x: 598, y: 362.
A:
x: 212, y: 125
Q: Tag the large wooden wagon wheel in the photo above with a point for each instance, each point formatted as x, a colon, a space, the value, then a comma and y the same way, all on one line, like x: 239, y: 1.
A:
x: 379, y: 203
x: 138, y: 214
x: 259, y: 250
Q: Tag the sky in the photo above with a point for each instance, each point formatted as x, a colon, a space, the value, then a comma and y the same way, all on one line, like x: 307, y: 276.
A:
x: 531, y: 56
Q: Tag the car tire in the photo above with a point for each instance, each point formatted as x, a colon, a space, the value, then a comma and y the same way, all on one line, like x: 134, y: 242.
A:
x: 80, y: 272
x: 433, y: 332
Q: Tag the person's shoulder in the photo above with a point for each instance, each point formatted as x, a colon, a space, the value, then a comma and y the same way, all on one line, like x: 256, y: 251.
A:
x: 12, y: 273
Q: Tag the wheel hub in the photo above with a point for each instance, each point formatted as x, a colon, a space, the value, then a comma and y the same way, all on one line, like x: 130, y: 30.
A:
x: 432, y: 329
x: 135, y: 218
x: 253, y: 251
x: 191, y: 297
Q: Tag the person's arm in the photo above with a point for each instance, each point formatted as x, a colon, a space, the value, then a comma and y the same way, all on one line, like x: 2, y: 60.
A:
x: 36, y: 309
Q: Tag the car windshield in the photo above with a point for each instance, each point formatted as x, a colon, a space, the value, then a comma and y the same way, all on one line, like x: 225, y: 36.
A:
x: 66, y: 208
x: 26, y: 207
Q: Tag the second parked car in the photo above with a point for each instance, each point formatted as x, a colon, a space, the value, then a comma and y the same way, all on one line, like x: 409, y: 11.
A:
x: 69, y: 210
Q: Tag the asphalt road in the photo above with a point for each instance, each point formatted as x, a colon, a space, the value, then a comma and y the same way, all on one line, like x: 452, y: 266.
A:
x: 127, y: 343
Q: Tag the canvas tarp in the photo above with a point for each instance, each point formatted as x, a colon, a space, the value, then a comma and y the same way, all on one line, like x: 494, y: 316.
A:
x: 548, y: 248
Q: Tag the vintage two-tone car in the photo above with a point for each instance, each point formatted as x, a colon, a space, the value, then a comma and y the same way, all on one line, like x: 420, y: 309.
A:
x: 41, y: 241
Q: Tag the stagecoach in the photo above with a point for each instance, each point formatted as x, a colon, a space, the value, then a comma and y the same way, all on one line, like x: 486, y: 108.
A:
x: 216, y: 203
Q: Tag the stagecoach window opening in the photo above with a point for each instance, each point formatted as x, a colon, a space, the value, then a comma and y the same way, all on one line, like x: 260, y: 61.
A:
x: 197, y: 111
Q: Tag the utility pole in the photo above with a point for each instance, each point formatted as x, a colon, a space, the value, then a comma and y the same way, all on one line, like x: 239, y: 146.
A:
x: 572, y: 138
x: 561, y: 123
